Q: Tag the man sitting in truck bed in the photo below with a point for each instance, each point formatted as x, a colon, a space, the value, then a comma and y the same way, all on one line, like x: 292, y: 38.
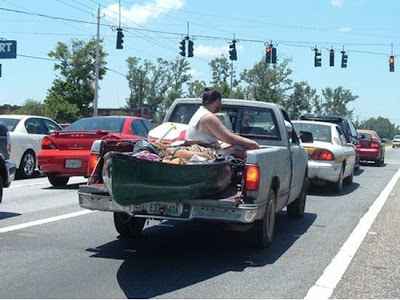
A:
x: 206, y: 129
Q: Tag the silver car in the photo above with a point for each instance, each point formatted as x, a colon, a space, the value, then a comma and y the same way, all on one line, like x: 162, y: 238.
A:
x: 396, y: 141
x: 330, y: 158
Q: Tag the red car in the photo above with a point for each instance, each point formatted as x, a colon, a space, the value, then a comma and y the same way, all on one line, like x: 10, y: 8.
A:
x: 371, y: 147
x: 66, y: 153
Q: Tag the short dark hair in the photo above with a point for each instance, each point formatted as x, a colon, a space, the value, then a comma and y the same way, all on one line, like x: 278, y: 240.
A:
x: 210, y: 95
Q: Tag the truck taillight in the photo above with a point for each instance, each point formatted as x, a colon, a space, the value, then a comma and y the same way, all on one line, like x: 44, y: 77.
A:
x: 322, y: 154
x: 94, y: 157
x: 47, y: 143
x: 252, y: 178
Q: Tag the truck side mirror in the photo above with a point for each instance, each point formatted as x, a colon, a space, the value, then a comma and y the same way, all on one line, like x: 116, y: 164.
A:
x: 306, y: 137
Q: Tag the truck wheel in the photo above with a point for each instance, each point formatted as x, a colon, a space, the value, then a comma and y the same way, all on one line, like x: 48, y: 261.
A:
x: 1, y: 188
x: 263, y: 230
x: 338, y: 186
x: 295, y: 210
x: 28, y: 164
x: 57, y: 180
x: 128, y: 226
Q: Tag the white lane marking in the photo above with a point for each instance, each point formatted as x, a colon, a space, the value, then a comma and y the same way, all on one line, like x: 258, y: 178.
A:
x: 45, y: 221
x: 333, y: 273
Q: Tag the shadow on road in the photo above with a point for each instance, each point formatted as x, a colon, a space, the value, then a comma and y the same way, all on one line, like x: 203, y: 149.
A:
x: 327, y: 190
x: 173, y: 255
x: 6, y: 215
x: 36, y: 174
x: 74, y: 186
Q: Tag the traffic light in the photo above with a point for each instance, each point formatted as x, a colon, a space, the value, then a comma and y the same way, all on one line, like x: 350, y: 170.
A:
x: 331, y: 58
x: 120, y: 41
x: 391, y: 63
x: 190, y: 48
x: 317, y: 58
x: 344, y: 59
x: 233, y: 52
x: 182, y: 47
x: 273, y: 55
x: 268, y: 53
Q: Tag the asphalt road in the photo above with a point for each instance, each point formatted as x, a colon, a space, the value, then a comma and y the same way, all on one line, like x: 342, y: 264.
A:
x: 81, y: 256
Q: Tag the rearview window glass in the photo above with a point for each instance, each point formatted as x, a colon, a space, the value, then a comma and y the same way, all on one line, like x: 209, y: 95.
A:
x: 101, y: 123
x: 9, y: 123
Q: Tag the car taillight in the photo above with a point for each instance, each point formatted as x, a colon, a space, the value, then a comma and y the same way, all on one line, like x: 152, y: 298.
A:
x: 94, y: 157
x: 252, y: 178
x: 47, y: 143
x: 322, y: 154
x: 374, y: 145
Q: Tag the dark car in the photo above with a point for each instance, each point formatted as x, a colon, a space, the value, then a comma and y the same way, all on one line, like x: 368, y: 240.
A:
x: 345, y: 124
x: 372, y: 147
x: 7, y: 168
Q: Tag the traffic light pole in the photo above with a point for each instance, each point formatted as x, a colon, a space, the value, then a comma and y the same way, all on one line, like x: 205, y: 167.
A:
x: 96, y: 82
x: 230, y: 94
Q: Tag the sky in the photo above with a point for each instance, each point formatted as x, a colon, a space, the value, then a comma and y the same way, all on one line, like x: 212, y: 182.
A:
x: 368, y: 30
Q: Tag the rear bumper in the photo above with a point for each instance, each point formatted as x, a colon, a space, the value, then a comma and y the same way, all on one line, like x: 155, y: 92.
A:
x: 370, y: 154
x: 328, y: 171
x: 10, y: 170
x: 192, y: 209
x: 53, y: 161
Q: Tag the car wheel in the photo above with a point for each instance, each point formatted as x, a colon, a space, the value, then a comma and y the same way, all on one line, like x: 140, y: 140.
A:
x: 295, y: 210
x: 1, y: 188
x: 349, y: 179
x: 262, y: 232
x: 379, y: 162
x: 128, y: 226
x: 27, y: 165
x: 338, y: 186
x: 57, y: 180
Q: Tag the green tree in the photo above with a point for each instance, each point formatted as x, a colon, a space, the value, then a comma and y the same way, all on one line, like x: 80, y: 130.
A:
x: 76, y: 67
x: 156, y: 84
x: 382, y: 126
x: 221, y: 78
x: 268, y: 84
x: 335, y: 101
x: 196, y: 88
x: 31, y: 107
x: 60, y: 110
x: 300, y: 101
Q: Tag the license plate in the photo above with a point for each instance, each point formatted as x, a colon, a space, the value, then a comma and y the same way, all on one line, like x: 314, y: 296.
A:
x: 173, y: 209
x: 73, y: 164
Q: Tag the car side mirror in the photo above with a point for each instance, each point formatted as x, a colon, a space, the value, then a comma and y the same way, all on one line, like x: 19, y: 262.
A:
x: 306, y: 137
x: 384, y: 141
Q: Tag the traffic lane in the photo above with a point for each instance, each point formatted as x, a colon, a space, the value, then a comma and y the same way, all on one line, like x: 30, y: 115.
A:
x: 34, y: 199
x: 83, y: 258
x: 206, y: 262
x: 373, y: 272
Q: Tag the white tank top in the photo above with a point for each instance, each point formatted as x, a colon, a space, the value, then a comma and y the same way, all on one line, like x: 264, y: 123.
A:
x: 194, y: 134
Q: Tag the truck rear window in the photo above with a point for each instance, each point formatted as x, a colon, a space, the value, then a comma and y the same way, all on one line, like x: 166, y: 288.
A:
x: 246, y: 121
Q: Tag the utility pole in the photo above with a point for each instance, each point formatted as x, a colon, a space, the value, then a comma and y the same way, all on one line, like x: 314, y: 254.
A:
x: 230, y: 94
x: 140, y: 92
x: 96, y: 82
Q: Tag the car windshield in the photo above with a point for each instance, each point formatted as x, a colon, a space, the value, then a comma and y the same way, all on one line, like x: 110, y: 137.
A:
x: 366, y: 136
x: 9, y: 123
x: 320, y: 133
x: 100, y: 123
x: 253, y: 122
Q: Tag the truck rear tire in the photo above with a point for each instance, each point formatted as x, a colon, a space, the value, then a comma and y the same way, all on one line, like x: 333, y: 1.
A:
x: 1, y: 188
x: 128, y: 226
x: 262, y: 232
x: 295, y: 210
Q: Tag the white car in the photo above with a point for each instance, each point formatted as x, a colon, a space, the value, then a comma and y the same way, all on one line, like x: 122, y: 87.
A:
x: 26, y: 133
x: 331, y: 158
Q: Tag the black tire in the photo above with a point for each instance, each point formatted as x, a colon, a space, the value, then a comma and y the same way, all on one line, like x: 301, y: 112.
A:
x: 349, y: 179
x: 1, y: 188
x: 295, y: 210
x: 128, y: 226
x: 262, y: 232
x: 379, y: 162
x: 27, y: 165
x: 338, y: 186
x: 57, y: 181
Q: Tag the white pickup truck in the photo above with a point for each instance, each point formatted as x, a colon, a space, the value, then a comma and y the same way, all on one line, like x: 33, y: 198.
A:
x: 278, y: 178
